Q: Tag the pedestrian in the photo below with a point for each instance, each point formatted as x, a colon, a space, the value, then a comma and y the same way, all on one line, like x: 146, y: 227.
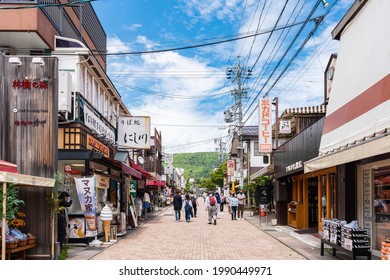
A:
x: 146, y: 205
x: 228, y: 202
x: 177, y: 205
x: 223, y: 201
x: 194, y: 200
x: 241, y: 198
x: 234, y: 204
x: 63, y: 204
x: 211, y: 208
x: 187, y: 207
x: 218, y: 198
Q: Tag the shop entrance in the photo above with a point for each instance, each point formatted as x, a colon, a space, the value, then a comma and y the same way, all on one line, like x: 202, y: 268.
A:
x: 313, y: 202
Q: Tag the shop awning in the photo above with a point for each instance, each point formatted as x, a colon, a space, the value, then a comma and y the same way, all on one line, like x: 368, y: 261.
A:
x: 144, y: 173
x: 131, y: 171
x: 268, y: 170
x: 25, y: 180
x: 364, y: 148
x: 8, y: 166
x: 156, y: 183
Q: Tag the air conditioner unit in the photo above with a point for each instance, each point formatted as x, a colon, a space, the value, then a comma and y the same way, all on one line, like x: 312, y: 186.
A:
x: 65, y: 92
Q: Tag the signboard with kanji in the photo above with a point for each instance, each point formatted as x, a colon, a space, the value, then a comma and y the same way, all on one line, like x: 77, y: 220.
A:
x: 265, y: 127
x: 134, y: 132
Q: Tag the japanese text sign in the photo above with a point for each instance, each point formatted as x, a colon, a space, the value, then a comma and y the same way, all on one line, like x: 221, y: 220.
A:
x: 134, y: 132
x: 86, y: 193
x: 230, y: 167
x: 265, y: 127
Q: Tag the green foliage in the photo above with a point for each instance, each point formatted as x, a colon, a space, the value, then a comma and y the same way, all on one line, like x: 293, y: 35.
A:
x: 197, y: 165
x: 12, y: 202
x: 63, y: 255
x: 53, y: 201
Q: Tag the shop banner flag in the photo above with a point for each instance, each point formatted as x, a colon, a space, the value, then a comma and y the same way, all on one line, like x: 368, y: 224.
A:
x: 86, y: 193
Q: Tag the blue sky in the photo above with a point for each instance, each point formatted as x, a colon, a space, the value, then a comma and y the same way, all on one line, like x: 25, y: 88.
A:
x: 186, y: 91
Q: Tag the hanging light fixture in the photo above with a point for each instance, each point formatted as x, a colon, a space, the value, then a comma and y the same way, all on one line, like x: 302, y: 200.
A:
x: 325, y: 3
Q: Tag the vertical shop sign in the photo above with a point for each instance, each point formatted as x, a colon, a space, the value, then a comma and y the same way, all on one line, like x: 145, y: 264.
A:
x: 367, y: 200
x: 86, y: 193
x: 265, y: 128
x: 134, y: 132
x: 133, y: 189
x: 230, y: 166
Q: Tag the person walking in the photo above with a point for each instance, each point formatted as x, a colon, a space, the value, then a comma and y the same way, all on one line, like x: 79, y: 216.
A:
x: 241, y: 198
x: 194, y: 200
x: 223, y: 201
x: 234, y: 204
x: 187, y: 207
x: 177, y: 205
x: 146, y: 205
x: 211, y: 208
x: 63, y: 204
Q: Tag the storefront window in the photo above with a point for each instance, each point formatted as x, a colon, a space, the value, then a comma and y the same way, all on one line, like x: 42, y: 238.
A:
x: 381, y: 224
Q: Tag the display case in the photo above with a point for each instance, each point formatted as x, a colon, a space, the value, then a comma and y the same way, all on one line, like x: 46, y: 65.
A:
x: 382, y: 209
x: 295, y: 214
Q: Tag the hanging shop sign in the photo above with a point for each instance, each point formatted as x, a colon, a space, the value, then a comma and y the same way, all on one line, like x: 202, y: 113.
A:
x: 86, y: 193
x: 294, y: 166
x: 168, y: 158
x: 265, y: 127
x: 134, y: 132
x: 284, y: 126
x: 102, y: 182
x: 230, y: 167
x: 95, y: 145
x: 93, y: 122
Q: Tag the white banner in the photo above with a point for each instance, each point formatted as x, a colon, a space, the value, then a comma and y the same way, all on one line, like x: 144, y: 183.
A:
x: 265, y: 127
x: 134, y: 132
x: 96, y: 124
x: 86, y: 193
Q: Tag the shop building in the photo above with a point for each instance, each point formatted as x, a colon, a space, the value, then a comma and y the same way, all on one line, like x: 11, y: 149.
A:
x: 355, y: 138
x: 58, y: 107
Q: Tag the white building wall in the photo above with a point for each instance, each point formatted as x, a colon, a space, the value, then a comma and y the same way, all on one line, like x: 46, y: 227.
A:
x: 363, y: 60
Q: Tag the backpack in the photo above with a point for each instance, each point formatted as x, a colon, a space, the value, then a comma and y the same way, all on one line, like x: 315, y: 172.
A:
x: 212, y: 201
x: 187, y: 207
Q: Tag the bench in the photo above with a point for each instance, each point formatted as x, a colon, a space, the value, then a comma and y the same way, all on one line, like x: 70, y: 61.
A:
x: 354, y: 253
x: 21, y: 250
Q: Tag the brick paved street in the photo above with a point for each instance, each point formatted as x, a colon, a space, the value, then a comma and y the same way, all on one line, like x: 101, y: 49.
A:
x: 162, y: 238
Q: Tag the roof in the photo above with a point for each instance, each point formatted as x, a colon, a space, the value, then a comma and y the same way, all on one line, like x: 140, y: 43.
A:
x: 347, y: 18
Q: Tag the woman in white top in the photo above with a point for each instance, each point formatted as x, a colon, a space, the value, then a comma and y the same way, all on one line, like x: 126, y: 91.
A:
x: 233, y: 205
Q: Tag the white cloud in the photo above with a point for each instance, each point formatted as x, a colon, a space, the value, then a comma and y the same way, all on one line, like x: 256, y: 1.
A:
x: 182, y: 121
x: 133, y: 27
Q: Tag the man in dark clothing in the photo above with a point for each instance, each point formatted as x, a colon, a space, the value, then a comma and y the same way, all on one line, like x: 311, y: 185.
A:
x: 177, y: 204
x: 64, y: 202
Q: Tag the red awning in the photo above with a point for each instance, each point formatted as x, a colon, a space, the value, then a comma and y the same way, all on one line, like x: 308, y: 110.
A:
x: 155, y: 183
x: 131, y: 171
x: 145, y: 173
x: 8, y: 166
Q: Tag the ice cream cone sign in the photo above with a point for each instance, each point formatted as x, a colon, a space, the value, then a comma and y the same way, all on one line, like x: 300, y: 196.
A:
x: 106, y: 217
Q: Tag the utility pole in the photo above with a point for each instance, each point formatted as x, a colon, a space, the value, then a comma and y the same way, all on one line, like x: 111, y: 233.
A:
x: 239, y: 93
x: 220, y: 148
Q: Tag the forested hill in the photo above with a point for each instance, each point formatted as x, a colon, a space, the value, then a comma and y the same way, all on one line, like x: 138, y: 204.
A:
x: 196, y: 165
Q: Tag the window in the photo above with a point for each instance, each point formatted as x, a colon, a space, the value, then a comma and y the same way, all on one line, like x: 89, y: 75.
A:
x: 256, y: 151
